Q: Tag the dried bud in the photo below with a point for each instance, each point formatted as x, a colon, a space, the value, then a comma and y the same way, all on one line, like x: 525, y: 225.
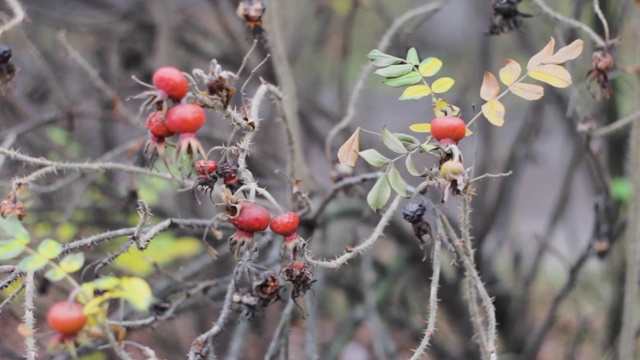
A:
x: 602, y: 60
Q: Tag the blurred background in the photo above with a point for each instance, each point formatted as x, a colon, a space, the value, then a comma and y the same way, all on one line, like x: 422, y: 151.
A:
x: 548, y: 237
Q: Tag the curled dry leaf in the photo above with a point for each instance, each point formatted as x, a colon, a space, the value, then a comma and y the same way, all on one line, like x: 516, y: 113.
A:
x: 490, y: 87
x: 567, y: 53
x: 348, y: 152
x: 510, y: 72
x: 543, y: 56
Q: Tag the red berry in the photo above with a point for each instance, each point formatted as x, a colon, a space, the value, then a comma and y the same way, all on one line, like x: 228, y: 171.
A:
x: 285, y: 224
x: 157, y: 126
x: 205, y: 167
x: 185, y: 118
x: 448, y: 129
x: 171, y: 81
x: 249, y: 217
x: 67, y: 318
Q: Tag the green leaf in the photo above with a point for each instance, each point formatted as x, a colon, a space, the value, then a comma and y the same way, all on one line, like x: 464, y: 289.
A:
x: 33, y: 263
x: 396, y: 181
x: 412, y: 56
x: 137, y: 291
x: 392, y: 142
x: 430, y: 66
x: 381, y: 59
x: 427, y: 147
x: 415, y: 92
x: 106, y: 283
x: 11, y: 227
x: 394, y: 70
x: 379, y: 194
x: 72, y: 263
x: 409, y: 142
x: 442, y: 85
x: 55, y: 274
x: 49, y: 248
x: 411, y: 167
x: 9, y: 249
x: 374, y: 158
x: 411, y: 78
x: 621, y: 189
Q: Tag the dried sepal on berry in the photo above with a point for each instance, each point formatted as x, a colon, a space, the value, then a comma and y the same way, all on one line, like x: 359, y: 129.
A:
x: 207, y: 178
x: 453, y: 178
x: 299, y: 275
x: 597, y: 78
x: 293, y: 247
x: 219, y: 92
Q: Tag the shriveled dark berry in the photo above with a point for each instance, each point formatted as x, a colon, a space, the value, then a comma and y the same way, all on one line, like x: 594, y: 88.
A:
x: 413, y: 212
x: 5, y: 54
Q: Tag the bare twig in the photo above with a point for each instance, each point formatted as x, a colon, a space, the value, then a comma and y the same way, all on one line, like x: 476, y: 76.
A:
x: 276, y: 341
x: 53, y: 166
x: 617, y: 125
x: 29, y: 319
x: 199, y: 350
x: 536, y: 339
x: 605, y: 24
x: 284, y: 74
x: 94, y: 77
x: 383, y: 44
x: 491, y: 176
x: 433, y: 297
x: 463, y: 251
x: 18, y: 16
x: 363, y: 246
x: 571, y: 22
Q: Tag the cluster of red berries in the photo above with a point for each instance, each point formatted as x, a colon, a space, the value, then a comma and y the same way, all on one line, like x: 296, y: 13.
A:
x: 183, y: 119
x: 249, y: 218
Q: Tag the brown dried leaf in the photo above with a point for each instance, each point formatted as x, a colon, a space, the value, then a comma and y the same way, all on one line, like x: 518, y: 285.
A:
x: 348, y: 152
x: 543, y: 56
x: 567, y: 53
x: 490, y: 87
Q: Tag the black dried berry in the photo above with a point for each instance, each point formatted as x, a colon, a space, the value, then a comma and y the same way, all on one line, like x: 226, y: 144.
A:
x: 413, y: 212
x: 5, y: 54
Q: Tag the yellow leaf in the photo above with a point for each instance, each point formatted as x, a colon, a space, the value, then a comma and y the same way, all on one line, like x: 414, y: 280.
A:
x: 415, y: 92
x: 567, y: 53
x: 442, y: 85
x: 527, y: 91
x: 468, y: 132
x: 510, y: 72
x: 137, y: 292
x: 490, y: 87
x: 554, y: 75
x: 425, y: 127
x: 430, y: 66
x: 494, y: 112
x: 348, y: 152
x: 543, y: 56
